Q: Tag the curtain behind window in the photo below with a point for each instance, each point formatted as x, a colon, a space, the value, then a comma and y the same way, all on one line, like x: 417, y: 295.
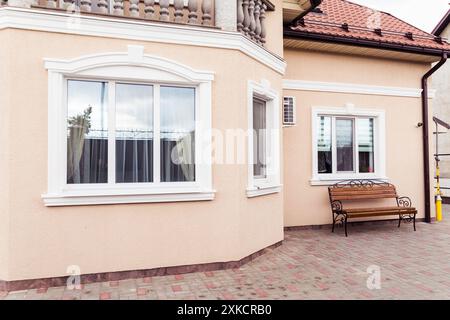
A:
x: 177, y: 134
x: 134, y: 133
x: 87, y: 134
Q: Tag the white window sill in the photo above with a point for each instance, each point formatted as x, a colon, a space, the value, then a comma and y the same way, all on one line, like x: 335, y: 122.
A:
x: 257, y: 191
x: 329, y: 181
x: 87, y: 198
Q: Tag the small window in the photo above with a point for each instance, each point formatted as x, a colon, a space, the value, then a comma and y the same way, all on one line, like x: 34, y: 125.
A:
x: 263, y: 140
x: 289, y: 111
x: 345, y: 145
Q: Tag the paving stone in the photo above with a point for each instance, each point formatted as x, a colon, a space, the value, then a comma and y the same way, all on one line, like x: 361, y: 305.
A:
x: 311, y: 264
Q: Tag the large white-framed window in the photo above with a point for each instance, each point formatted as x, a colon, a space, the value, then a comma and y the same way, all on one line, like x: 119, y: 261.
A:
x: 263, y: 139
x: 128, y: 128
x: 348, y: 143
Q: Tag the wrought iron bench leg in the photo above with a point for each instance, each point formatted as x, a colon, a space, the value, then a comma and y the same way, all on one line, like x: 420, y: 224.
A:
x: 414, y: 221
x: 399, y: 220
x: 346, y: 226
x: 334, y: 222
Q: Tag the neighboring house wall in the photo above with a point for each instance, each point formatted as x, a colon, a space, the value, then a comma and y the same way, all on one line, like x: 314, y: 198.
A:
x: 441, y: 82
x: 306, y: 204
x: 44, y: 241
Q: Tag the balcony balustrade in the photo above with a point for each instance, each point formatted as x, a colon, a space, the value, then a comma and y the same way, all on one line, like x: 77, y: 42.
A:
x: 193, y: 12
x: 251, y: 16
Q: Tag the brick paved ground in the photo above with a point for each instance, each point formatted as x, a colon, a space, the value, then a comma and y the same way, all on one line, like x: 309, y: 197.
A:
x: 311, y: 264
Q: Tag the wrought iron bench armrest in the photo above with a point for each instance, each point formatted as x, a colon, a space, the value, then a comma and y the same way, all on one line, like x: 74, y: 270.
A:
x: 336, y: 206
x: 404, y: 202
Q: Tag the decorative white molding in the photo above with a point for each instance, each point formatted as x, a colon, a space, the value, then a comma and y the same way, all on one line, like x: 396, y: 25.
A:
x: 256, y: 192
x: 57, y: 201
x: 132, y: 65
x: 91, y: 65
x: 29, y: 19
x: 340, y: 87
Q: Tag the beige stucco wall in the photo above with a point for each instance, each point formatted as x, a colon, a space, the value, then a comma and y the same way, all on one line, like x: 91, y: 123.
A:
x: 45, y: 241
x: 309, y: 205
x: 274, y: 29
x: 441, y: 82
x: 5, y: 72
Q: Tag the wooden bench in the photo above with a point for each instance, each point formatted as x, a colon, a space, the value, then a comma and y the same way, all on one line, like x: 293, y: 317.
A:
x: 363, y: 190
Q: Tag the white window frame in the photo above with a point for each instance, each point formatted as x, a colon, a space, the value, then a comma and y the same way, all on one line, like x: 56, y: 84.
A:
x: 127, y: 67
x: 350, y: 111
x: 294, y: 111
x: 271, y: 182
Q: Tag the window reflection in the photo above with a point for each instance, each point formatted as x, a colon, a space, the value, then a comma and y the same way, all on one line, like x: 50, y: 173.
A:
x: 365, y: 145
x: 259, y: 138
x: 324, y: 145
x: 344, y: 144
x: 177, y: 134
x: 87, y: 135
x: 134, y: 133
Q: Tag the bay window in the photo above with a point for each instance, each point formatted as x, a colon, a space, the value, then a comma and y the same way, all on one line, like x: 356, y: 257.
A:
x: 128, y: 128
x: 347, y: 144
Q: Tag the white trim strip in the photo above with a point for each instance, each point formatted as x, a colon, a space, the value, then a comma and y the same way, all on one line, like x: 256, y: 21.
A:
x: 256, y: 192
x: 330, y: 182
x: 29, y: 19
x: 340, y: 87
x: 54, y: 201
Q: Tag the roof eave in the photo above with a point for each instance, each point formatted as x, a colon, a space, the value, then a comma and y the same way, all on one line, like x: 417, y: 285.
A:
x: 363, y: 43
x: 313, y: 5
x: 442, y: 24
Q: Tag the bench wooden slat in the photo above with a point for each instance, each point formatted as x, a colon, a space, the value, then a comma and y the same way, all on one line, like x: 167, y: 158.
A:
x: 387, y: 194
x: 372, y: 214
x: 374, y: 209
x: 362, y: 191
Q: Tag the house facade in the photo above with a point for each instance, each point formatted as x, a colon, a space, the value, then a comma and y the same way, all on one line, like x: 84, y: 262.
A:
x: 154, y: 137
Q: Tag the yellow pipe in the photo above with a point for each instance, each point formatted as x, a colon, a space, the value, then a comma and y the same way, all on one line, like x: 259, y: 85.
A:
x: 438, y: 208
x: 438, y: 195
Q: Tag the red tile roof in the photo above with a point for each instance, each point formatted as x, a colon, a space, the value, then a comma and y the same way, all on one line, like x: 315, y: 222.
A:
x: 362, y: 22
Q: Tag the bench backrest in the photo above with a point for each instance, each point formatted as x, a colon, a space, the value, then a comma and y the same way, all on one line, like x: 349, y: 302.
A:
x: 361, y: 190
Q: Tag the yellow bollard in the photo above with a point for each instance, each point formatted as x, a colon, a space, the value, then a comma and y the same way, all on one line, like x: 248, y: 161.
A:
x: 438, y: 208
